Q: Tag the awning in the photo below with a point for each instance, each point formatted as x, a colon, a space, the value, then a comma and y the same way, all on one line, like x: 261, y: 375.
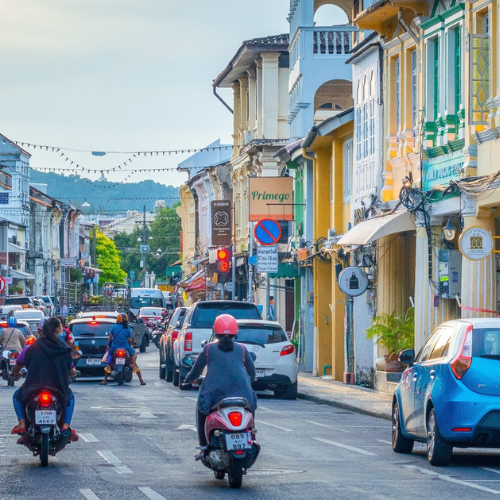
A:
x: 285, y: 270
x: 373, y: 229
x: 20, y: 275
x: 13, y: 248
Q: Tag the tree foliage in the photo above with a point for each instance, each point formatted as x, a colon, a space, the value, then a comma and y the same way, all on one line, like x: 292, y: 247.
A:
x: 108, y: 260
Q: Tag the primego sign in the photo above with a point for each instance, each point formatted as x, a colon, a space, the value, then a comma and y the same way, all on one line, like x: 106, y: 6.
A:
x: 271, y: 198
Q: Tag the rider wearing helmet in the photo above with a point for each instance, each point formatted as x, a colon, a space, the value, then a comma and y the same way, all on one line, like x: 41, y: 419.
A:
x: 11, y: 338
x: 230, y: 371
x: 120, y: 337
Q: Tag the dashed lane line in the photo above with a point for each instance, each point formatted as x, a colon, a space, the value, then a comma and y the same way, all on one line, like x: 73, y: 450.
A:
x: 88, y: 437
x: 286, y: 429
x: 192, y: 399
x: 385, y: 441
x: 187, y: 427
x: 496, y: 471
x: 336, y: 429
x: 112, y: 459
x: 450, y: 479
x: 268, y: 409
x: 151, y: 494
x: 347, y: 447
x: 173, y: 392
x: 89, y: 494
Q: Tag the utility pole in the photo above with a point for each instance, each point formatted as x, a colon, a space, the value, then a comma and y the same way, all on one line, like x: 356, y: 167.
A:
x: 144, y: 241
x: 94, y: 256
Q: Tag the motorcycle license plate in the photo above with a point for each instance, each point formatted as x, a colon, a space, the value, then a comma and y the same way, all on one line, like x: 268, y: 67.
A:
x: 45, y: 417
x: 120, y: 361
x: 260, y: 373
x: 93, y: 361
x: 12, y: 362
x: 237, y: 441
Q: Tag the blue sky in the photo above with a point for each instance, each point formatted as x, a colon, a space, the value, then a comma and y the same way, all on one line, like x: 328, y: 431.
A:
x: 122, y: 75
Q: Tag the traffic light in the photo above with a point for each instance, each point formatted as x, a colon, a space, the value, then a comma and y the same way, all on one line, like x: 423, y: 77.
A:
x: 223, y: 264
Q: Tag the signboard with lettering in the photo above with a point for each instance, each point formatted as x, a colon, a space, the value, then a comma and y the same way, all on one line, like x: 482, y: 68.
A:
x: 221, y: 223
x: 441, y: 170
x: 68, y: 262
x: 267, y: 259
x: 271, y: 198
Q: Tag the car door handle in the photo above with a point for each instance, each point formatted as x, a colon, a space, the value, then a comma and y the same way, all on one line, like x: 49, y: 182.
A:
x: 432, y: 373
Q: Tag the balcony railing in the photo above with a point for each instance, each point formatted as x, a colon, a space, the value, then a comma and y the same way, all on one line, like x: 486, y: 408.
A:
x: 330, y: 42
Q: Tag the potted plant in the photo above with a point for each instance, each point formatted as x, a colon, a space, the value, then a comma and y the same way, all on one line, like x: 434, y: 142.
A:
x: 396, y: 332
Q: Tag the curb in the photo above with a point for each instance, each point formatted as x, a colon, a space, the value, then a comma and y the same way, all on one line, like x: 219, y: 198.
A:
x: 344, y: 406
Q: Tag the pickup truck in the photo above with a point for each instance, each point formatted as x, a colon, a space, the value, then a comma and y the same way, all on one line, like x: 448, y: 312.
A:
x: 197, y: 326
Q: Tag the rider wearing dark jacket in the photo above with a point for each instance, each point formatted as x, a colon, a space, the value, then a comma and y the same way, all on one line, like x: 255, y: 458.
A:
x: 230, y: 371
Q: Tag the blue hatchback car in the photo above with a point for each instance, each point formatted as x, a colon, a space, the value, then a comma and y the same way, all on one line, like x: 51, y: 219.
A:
x: 450, y: 393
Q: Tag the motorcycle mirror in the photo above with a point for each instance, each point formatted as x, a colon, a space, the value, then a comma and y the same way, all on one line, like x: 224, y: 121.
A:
x: 204, y: 343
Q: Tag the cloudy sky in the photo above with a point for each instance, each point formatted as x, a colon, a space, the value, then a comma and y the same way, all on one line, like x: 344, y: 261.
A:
x: 122, y: 75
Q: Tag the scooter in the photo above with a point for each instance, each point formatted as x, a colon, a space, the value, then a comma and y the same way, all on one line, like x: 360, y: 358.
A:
x: 230, y: 434
x: 157, y: 331
x: 43, y: 435
x: 9, y: 359
x: 121, y: 366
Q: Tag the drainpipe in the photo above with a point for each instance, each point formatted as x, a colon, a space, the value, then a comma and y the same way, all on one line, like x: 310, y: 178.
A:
x: 226, y: 105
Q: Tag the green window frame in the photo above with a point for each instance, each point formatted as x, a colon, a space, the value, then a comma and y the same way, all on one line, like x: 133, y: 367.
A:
x: 436, y: 77
x: 458, y: 69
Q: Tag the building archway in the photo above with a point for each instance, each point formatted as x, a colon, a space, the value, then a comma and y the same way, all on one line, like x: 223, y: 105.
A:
x: 332, y: 13
x: 331, y: 98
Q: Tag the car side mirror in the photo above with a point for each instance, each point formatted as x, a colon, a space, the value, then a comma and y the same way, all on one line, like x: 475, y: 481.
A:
x: 407, y: 357
x: 204, y: 343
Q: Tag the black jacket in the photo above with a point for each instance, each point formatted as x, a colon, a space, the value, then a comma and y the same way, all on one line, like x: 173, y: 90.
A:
x: 48, y: 367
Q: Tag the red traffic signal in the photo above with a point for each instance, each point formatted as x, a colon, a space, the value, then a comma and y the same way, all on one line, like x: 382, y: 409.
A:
x: 223, y: 260
x: 222, y: 254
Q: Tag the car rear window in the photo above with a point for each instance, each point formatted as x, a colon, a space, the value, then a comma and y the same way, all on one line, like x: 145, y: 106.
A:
x: 261, y: 334
x: 485, y: 342
x: 14, y: 301
x: 151, y: 311
x: 98, y: 329
x: 138, y: 302
x: 28, y: 315
x: 45, y: 299
x: 204, y: 315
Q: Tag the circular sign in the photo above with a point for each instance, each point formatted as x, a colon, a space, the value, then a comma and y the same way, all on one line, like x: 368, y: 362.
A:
x: 476, y: 243
x: 2, y: 284
x: 353, y: 281
x: 267, y: 232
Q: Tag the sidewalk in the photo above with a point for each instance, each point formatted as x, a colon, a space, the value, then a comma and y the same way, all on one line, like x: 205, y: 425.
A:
x: 349, y: 397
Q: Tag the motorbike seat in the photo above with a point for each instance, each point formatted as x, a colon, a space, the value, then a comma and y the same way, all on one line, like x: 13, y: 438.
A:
x: 227, y: 402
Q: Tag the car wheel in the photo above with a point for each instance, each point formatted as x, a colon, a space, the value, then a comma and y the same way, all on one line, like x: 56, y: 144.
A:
x: 287, y: 392
x: 170, y: 371
x: 400, y: 444
x: 439, y: 451
x: 143, y: 344
x: 175, y: 378
x: 163, y: 372
x: 183, y: 386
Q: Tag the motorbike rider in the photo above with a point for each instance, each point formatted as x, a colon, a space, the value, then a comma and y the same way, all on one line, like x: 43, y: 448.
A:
x: 230, y: 372
x: 11, y: 338
x: 120, y: 337
x: 49, y: 362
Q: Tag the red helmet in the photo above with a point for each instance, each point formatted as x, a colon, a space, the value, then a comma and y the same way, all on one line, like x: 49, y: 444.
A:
x: 225, y: 324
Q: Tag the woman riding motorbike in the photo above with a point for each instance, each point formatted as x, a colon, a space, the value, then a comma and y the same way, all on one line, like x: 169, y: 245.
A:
x: 120, y: 337
x: 49, y: 362
x: 11, y: 339
x: 230, y: 372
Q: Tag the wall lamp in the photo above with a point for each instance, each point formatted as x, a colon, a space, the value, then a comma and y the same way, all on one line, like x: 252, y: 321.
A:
x: 449, y: 230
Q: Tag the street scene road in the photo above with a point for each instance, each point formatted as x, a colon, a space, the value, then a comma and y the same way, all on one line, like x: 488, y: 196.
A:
x: 139, y: 442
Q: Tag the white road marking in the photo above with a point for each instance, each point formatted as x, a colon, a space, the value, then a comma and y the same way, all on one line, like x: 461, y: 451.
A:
x: 192, y: 399
x: 275, y: 426
x: 89, y: 494
x: 151, y: 494
x: 84, y: 437
x: 496, y: 471
x: 187, y: 427
x: 88, y: 437
x: 112, y: 459
x: 336, y: 429
x: 452, y: 479
x: 268, y: 409
x: 347, y: 447
x: 384, y: 441
x: 157, y: 384
x: 172, y: 391
x: 147, y: 414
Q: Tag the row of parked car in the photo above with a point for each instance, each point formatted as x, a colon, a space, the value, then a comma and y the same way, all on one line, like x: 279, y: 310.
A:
x: 191, y: 327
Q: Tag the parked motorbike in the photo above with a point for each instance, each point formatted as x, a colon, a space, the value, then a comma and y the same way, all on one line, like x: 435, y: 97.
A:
x: 9, y: 359
x: 121, y: 366
x: 157, y: 330
x: 44, y: 416
x: 230, y: 434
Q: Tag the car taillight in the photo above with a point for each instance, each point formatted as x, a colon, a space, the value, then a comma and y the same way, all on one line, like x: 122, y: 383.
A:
x: 44, y: 399
x: 235, y: 417
x: 462, y: 361
x: 120, y: 353
x: 175, y: 334
x: 188, y: 341
x: 93, y: 322
x: 288, y: 349
x: 30, y: 340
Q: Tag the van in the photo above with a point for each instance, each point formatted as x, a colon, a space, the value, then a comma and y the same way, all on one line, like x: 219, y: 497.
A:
x: 145, y: 297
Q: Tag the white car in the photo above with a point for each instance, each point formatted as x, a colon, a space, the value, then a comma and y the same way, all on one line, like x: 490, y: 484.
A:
x: 273, y: 354
x: 51, y: 310
x: 30, y: 316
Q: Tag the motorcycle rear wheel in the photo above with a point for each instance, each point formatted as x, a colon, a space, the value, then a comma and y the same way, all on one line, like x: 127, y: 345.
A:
x: 235, y: 474
x: 119, y: 378
x: 10, y: 381
x: 44, y: 451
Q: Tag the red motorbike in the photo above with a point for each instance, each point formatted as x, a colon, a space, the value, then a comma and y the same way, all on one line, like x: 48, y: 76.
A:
x: 230, y: 434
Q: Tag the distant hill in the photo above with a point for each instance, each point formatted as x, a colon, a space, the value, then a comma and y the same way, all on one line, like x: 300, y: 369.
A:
x: 75, y: 189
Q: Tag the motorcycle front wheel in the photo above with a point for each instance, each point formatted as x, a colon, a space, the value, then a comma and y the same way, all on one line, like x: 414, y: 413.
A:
x: 44, y: 451
x: 235, y: 474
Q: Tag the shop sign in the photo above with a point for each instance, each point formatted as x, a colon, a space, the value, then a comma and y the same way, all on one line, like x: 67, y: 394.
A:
x: 267, y: 259
x: 68, y: 262
x: 441, y: 170
x: 353, y: 281
x: 476, y: 243
x: 221, y: 223
x: 271, y: 198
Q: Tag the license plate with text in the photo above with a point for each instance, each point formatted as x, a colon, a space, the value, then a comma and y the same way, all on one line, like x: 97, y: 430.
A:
x: 260, y: 373
x: 237, y: 441
x: 45, y: 417
x: 12, y: 362
x: 93, y: 361
x: 120, y: 361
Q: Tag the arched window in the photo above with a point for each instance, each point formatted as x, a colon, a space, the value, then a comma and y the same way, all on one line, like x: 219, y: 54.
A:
x: 330, y: 15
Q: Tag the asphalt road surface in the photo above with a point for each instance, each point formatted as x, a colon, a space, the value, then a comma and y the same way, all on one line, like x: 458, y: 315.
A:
x: 139, y: 443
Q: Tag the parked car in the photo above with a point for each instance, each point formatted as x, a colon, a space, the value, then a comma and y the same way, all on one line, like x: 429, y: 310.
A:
x: 30, y: 316
x: 48, y: 303
x: 449, y: 395
x: 167, y: 343
x: 168, y: 300
x: 149, y: 314
x: 40, y: 305
x: 16, y: 302
x: 23, y: 326
x: 198, y: 326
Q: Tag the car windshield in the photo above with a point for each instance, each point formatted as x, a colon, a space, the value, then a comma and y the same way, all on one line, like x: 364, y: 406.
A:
x: 486, y: 343
x: 95, y: 328
x: 25, y: 329
x: 15, y: 301
x: 138, y: 302
x: 261, y: 334
x: 151, y: 311
x: 45, y: 299
x: 28, y: 314
x: 205, y: 314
